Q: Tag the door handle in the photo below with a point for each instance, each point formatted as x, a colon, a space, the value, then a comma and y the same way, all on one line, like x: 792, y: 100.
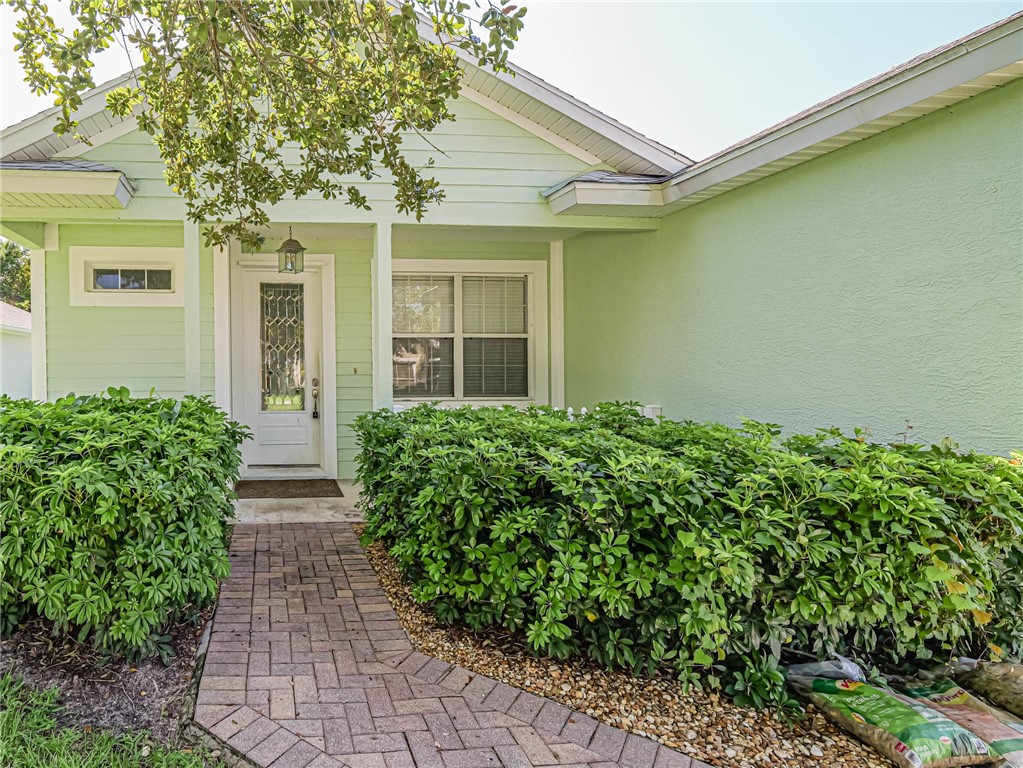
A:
x: 316, y: 396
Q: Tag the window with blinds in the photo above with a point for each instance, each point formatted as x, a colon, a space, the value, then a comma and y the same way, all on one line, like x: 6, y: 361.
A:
x: 460, y: 336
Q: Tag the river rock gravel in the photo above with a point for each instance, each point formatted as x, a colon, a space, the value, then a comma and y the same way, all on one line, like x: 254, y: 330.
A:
x: 704, y: 725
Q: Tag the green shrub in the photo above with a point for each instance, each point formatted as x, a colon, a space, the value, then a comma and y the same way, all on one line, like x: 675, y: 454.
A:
x: 113, y: 513
x: 713, y: 549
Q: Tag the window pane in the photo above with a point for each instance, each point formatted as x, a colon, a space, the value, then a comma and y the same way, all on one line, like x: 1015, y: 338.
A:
x: 423, y: 304
x: 495, y: 368
x: 424, y: 367
x: 106, y: 279
x: 158, y: 279
x: 282, y: 345
x: 494, y: 304
x: 133, y: 279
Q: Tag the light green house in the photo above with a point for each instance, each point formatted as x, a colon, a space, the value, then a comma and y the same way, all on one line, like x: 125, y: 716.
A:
x: 860, y: 264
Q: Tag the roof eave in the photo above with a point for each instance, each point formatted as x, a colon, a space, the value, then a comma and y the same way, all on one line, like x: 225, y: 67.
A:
x: 980, y: 56
x: 993, y: 51
x: 16, y: 137
x: 113, y: 186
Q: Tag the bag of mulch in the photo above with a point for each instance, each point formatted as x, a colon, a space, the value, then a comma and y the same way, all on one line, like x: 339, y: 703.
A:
x: 910, y: 734
x: 999, y: 682
x: 1001, y: 731
x: 838, y: 668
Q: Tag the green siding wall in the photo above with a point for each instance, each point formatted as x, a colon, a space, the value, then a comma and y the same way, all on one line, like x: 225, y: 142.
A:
x: 876, y: 286
x: 430, y: 248
x: 353, y: 308
x: 490, y: 169
x: 92, y: 348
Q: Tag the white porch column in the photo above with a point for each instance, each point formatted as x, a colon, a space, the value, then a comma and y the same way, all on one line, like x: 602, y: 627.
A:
x: 222, y: 327
x: 37, y: 265
x: 383, y: 391
x: 190, y: 285
x: 557, y: 264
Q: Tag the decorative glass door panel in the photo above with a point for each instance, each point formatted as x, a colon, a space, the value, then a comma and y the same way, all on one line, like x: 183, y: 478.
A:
x: 282, y: 346
x: 279, y: 392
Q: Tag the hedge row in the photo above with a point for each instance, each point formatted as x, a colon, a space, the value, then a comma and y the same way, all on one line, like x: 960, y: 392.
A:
x: 712, y: 549
x: 113, y: 513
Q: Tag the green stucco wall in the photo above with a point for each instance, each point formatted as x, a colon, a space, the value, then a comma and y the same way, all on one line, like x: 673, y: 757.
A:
x: 876, y: 286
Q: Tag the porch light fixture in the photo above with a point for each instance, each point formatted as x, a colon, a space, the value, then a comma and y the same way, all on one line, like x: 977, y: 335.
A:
x: 291, y: 256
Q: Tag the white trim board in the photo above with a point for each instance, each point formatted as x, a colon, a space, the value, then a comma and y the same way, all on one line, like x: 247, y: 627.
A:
x: 222, y: 327
x: 982, y: 61
x: 39, y: 127
x: 99, y: 138
x: 557, y: 290
x: 381, y: 269
x: 189, y: 283
x: 102, y: 256
x: 37, y: 262
x: 528, y: 125
x: 314, y: 262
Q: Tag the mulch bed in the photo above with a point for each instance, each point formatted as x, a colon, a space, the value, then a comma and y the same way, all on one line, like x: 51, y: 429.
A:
x: 117, y: 696
x: 702, y: 725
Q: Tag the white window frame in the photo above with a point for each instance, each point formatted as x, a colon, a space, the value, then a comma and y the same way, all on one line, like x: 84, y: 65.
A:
x: 535, y: 272
x: 83, y: 259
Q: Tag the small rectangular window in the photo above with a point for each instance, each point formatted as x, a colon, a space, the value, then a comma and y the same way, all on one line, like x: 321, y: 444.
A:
x: 131, y: 279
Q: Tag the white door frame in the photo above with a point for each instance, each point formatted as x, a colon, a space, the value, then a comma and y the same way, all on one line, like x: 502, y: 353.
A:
x: 233, y: 294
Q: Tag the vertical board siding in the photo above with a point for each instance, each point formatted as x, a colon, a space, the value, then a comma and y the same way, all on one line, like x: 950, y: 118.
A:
x: 92, y: 348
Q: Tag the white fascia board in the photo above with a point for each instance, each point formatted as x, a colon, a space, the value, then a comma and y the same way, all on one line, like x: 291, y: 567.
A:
x: 973, y: 59
x: 40, y: 126
x: 98, y: 139
x: 976, y: 58
x: 597, y: 193
x: 587, y: 193
x: 648, y: 149
x: 107, y: 183
x: 563, y: 199
x: 528, y: 125
x: 532, y: 86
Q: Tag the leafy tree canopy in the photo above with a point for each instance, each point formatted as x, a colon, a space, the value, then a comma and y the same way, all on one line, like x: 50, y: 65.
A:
x: 15, y: 275
x: 223, y: 85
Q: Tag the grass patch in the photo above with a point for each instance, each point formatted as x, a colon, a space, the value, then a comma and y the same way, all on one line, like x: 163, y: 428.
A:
x: 30, y: 738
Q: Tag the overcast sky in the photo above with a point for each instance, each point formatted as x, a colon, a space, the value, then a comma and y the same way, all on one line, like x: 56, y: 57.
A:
x: 696, y: 76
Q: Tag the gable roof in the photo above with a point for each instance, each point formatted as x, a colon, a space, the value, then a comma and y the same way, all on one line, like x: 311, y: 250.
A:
x: 985, y: 59
x: 519, y: 96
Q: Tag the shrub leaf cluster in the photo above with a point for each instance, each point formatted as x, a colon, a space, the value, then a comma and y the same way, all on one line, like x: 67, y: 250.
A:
x: 113, y: 513
x: 720, y: 552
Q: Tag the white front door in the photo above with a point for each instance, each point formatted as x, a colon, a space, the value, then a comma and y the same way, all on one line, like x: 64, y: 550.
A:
x: 281, y: 368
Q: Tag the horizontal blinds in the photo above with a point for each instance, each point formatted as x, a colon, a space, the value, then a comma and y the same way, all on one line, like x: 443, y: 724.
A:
x: 493, y: 304
x: 475, y: 348
x: 495, y: 368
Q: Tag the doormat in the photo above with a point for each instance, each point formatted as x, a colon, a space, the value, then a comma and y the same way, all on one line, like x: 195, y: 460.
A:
x: 287, y: 489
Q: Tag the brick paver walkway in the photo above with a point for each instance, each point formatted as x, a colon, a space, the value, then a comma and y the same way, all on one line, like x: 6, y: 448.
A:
x: 308, y: 667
